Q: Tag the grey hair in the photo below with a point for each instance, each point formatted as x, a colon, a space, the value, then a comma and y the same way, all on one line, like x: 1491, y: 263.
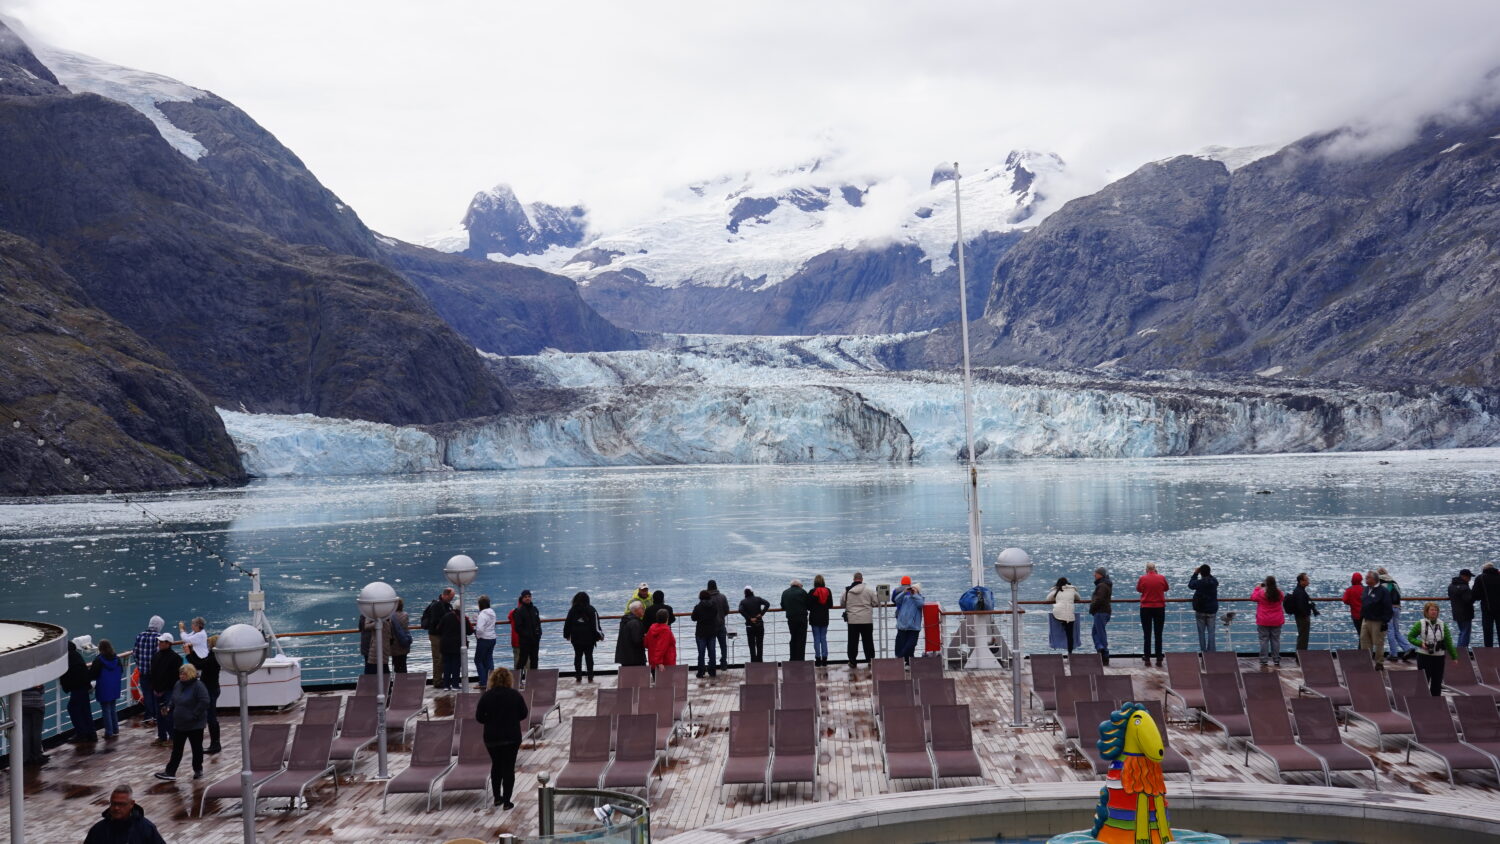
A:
x: 635, y: 605
x: 1151, y: 567
x: 796, y: 582
x: 200, y: 622
x: 123, y: 788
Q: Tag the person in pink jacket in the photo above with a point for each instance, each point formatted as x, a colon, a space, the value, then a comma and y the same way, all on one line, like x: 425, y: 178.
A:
x: 1269, y: 617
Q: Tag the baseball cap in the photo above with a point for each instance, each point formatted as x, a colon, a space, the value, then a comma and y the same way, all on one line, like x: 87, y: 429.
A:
x: 165, y: 637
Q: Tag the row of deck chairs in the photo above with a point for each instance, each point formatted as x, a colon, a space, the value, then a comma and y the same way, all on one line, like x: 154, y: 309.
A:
x: 277, y: 772
x: 673, y: 677
x: 768, y: 747
x: 613, y: 751
x: 1047, y: 668
x: 928, y: 743
x: 1459, y: 675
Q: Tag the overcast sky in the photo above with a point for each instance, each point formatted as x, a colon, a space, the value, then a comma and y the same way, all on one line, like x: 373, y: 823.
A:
x: 405, y: 109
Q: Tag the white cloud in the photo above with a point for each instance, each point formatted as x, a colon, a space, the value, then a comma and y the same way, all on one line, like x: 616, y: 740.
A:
x: 406, y: 109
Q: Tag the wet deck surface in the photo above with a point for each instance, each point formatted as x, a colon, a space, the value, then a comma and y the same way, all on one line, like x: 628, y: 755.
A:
x: 67, y: 795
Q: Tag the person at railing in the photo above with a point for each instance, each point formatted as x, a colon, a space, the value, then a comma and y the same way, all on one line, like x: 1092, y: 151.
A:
x: 145, y: 648
x: 1433, y: 641
x: 1205, y: 589
x: 431, y: 618
x: 1302, y: 609
x: 642, y: 593
x: 1269, y: 617
x: 630, y: 646
x: 659, y: 602
x: 1354, y: 599
x: 484, y: 638
x: 1063, y: 624
x: 705, y: 633
x: 721, y: 604
x: 400, y: 637
x: 1461, y: 600
x: 582, y: 630
x: 194, y: 639
x: 367, y: 643
x: 909, y: 603
x: 794, y: 605
x: 526, y: 621
x: 1487, y: 591
x: 502, y: 710
x: 451, y: 634
x: 859, y: 612
x: 124, y: 822
x: 1153, y: 589
x: 189, y: 709
x: 108, y: 671
x: 208, y: 674
x: 1100, y: 608
x: 1375, y: 615
x: 1396, y: 645
x: 819, y: 603
x: 661, y: 645
x: 77, y: 682
x: 164, y: 668
x: 753, y: 609
x: 33, y: 713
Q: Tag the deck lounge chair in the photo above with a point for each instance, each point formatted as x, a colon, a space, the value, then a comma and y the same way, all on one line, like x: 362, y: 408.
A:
x: 1318, y: 731
x: 464, y: 706
x: 1258, y: 686
x: 322, y: 709
x: 1119, y: 687
x: 1086, y: 664
x: 307, y: 761
x: 1271, y: 736
x: 800, y: 696
x: 366, y: 685
x: 1090, y: 714
x: 674, y: 677
x: 1172, y: 762
x: 903, y: 744
x: 588, y: 752
x: 1487, y: 665
x: 1355, y: 661
x: 636, y: 755
x: 926, y: 666
x: 1405, y: 684
x: 1185, y: 680
x: 1480, y: 722
x: 633, y: 677
x: 1221, y: 662
x: 937, y: 691
x: 749, y: 759
x: 1071, y: 689
x: 1045, y: 669
x: 757, y: 697
x: 1320, y: 677
x: 611, y: 702
x: 762, y: 672
x: 658, y: 702
x: 1224, y: 706
x: 886, y: 670
x: 471, y: 771
x: 892, y: 693
x: 359, y: 729
x: 416, y: 678
x: 543, y: 685
x: 407, y: 701
x: 952, y: 743
x: 796, y: 757
x: 267, y: 759
x: 431, y: 760
x: 1371, y: 705
x: 1460, y: 677
x: 801, y: 671
x: 1435, y: 734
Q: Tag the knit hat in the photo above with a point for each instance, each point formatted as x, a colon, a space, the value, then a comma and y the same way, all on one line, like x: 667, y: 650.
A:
x: 1358, y: 579
x: 156, y: 623
x: 905, y: 580
x: 1465, y: 573
x: 165, y: 637
x: 525, y: 593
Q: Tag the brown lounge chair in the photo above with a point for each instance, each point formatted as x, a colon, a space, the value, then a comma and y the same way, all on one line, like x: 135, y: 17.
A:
x: 431, y: 759
x: 1487, y: 664
x: 1224, y: 706
x: 636, y: 755
x: 633, y: 677
x: 365, y: 685
x: 796, y: 757
x: 926, y: 666
x: 361, y: 724
x: 658, y: 702
x: 1320, y: 677
x: 1045, y: 669
x: 757, y: 697
x: 267, y: 759
x: 464, y: 707
x: 1172, y: 762
x: 952, y: 743
x: 1435, y: 735
x: 1221, y: 662
x: 611, y: 702
x: 1371, y: 705
x: 936, y: 691
x: 1355, y: 661
x: 1459, y: 676
x: 762, y: 673
x: 1480, y: 722
x: 800, y: 696
x: 903, y: 743
x: 894, y: 693
x: 406, y: 702
x: 1271, y: 736
x: 1405, y: 684
x: 472, y: 770
x: 749, y: 758
x: 886, y: 670
x: 306, y: 762
x: 801, y: 671
x: 588, y: 752
x: 675, y: 678
x: 1086, y: 664
x: 1071, y: 689
x: 1318, y: 731
x: 1091, y: 714
x: 1119, y: 687
x: 322, y: 709
x: 1185, y: 680
x: 542, y: 683
x: 1260, y: 686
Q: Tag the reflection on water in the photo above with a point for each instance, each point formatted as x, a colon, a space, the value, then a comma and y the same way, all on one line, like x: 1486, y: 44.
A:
x: 97, y: 566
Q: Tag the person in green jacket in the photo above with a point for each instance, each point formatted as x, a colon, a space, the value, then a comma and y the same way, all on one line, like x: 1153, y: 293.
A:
x: 642, y: 593
x: 1433, y: 641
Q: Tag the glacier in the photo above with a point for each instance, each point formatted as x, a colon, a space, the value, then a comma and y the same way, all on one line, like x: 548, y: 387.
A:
x: 706, y: 399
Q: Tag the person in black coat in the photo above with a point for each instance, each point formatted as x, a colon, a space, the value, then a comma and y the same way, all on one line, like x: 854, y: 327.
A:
x: 1461, y: 600
x: 164, y: 665
x: 582, y: 630
x: 528, y: 627
x: 658, y: 603
x: 124, y: 822
x: 451, y: 641
x: 208, y: 675
x: 78, y: 683
x: 1205, y: 605
x: 502, y: 710
x: 1487, y: 594
x: 753, y: 609
x: 630, y: 647
x: 1301, y: 607
x: 705, y: 632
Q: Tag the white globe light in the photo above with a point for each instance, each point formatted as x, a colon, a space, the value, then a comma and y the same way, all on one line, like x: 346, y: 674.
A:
x: 461, y: 570
x: 1013, y: 565
x: 241, y: 649
x: 377, y: 600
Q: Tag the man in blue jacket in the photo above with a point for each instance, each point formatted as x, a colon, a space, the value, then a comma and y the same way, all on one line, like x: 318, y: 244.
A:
x: 909, y: 604
x: 1375, y: 615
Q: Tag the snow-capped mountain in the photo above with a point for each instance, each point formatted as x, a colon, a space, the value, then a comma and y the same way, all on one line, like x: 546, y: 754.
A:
x: 497, y: 223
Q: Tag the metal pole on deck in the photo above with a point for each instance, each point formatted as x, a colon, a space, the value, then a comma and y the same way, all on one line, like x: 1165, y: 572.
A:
x: 247, y: 788
x: 383, y: 770
x: 976, y: 542
x: 242, y: 649
x: 1014, y: 565
x: 17, y: 771
x: 377, y: 601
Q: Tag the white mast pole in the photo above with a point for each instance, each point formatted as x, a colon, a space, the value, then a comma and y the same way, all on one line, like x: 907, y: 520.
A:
x: 976, y: 544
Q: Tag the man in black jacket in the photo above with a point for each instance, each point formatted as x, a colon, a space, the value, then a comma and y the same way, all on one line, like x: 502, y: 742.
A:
x: 1374, y: 616
x: 1205, y: 605
x: 164, y: 666
x: 1487, y: 592
x: 630, y: 647
x: 721, y: 604
x: 794, y: 603
x: 431, y: 618
x: 1461, y: 599
x: 528, y: 622
x: 1302, y: 609
x: 123, y: 822
x: 753, y: 609
x: 1100, y: 607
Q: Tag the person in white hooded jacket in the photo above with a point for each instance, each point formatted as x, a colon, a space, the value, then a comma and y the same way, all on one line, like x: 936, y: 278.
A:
x: 1063, y: 597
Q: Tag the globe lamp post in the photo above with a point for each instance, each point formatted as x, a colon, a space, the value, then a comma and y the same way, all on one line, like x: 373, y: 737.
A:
x: 461, y: 571
x: 1014, y: 565
x: 377, y: 601
x: 241, y: 649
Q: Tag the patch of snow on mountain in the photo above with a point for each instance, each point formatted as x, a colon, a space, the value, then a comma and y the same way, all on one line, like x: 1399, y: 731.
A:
x: 455, y: 239
x: 1236, y: 157
x: 553, y: 260
x: 137, y: 89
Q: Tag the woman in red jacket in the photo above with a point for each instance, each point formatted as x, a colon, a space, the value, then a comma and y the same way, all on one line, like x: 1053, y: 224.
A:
x: 1354, y: 597
x: 661, y: 645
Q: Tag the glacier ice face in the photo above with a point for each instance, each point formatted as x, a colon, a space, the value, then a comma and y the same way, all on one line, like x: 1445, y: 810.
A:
x: 719, y: 399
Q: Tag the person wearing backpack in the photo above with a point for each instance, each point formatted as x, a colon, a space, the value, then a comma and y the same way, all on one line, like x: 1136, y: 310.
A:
x: 582, y: 630
x: 820, y: 601
x: 1301, y: 608
x: 431, y: 618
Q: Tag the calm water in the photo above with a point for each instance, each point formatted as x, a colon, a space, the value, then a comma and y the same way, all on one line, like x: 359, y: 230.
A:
x: 97, y: 566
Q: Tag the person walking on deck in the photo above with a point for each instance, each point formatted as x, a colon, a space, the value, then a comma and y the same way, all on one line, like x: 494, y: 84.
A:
x: 819, y: 603
x: 1375, y: 615
x: 431, y: 617
x: 1205, y: 589
x: 164, y: 667
x: 1064, y: 619
x: 124, y: 822
x: 630, y: 647
x: 484, y: 638
x: 1396, y: 645
x: 502, y: 710
x: 721, y: 604
x: 189, y: 716
x: 753, y: 609
x: 909, y: 608
x: 1487, y: 593
x: 1354, y: 598
x: 79, y: 683
x: 527, y: 622
x: 1153, y: 590
x: 144, y: 651
x: 1302, y: 609
x: 1100, y: 608
x: 794, y: 606
x: 1461, y: 601
x: 705, y: 632
x: 1433, y: 642
x: 859, y: 612
x: 582, y: 630
x: 1270, y: 615
x: 661, y: 645
x: 108, y: 672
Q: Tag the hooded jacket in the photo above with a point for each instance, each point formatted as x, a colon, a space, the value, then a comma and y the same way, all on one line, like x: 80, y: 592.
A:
x: 1268, y: 611
x: 1205, y: 589
x: 135, y: 829
x: 1104, y: 592
x: 1354, y: 595
x: 1487, y: 590
x: 109, y: 674
x: 819, y: 602
x: 859, y: 604
x: 705, y: 619
x: 582, y: 627
x: 526, y: 620
x: 721, y: 604
x: 76, y: 678
x: 1461, y: 599
x: 661, y: 645
x: 630, y: 647
x: 909, y: 606
x: 189, y: 705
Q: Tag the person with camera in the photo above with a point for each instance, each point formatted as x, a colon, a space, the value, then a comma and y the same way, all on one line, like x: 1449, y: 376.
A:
x: 1302, y: 609
x: 1205, y: 606
x: 1270, y: 615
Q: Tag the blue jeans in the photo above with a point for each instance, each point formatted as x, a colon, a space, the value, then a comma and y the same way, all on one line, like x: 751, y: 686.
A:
x: 163, y: 719
x: 820, y: 642
x: 484, y: 659
x: 148, y: 699
x: 1101, y: 631
x: 111, y: 718
x: 1206, y: 641
x: 723, y: 647
x: 1395, y: 643
x: 906, y: 643
x: 81, y: 713
x: 1465, y: 632
x: 706, y: 646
